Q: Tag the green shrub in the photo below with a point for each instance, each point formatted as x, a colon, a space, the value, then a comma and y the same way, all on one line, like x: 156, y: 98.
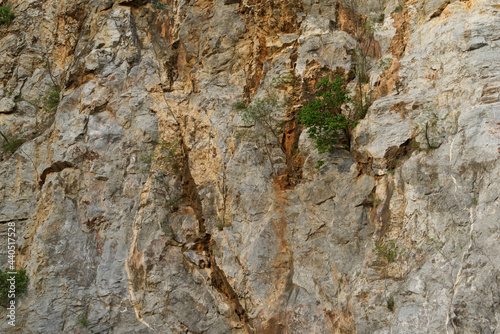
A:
x: 6, y: 15
x: 398, y: 9
x: 263, y: 124
x: 385, y: 63
x: 380, y: 18
x: 51, y: 99
x: 285, y: 79
x: 390, y: 303
x: 263, y: 114
x: 171, y: 158
x: 239, y: 106
x: 323, y: 116
x: 83, y: 320
x: 11, y: 144
x: 159, y: 5
x: 388, y: 250
x: 220, y: 224
x: 21, y: 284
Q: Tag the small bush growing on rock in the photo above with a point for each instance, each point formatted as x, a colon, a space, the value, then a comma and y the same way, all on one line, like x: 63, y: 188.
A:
x: 159, y: 5
x: 10, y: 143
x: 239, y: 105
x: 388, y: 250
x: 432, y: 129
x: 390, y: 303
x: 264, y: 124
x: 6, y: 15
x: 19, y: 280
x: 51, y: 99
x: 83, y: 320
x: 170, y: 158
x: 323, y: 116
x: 287, y: 78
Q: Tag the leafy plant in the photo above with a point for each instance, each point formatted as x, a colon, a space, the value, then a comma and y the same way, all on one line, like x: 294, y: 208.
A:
x: 147, y: 158
x: 432, y: 129
x: 21, y: 284
x: 84, y: 321
x: 170, y: 158
x: 239, y: 105
x: 173, y: 203
x: 323, y: 116
x: 390, y: 303
x: 436, y: 243
x: 220, y: 225
x: 10, y: 143
x: 160, y: 5
x: 388, y: 250
x: 398, y: 9
x: 51, y: 99
x: 288, y: 78
x: 363, y: 33
x: 385, y: 63
x: 6, y: 15
x: 380, y: 18
x: 262, y: 119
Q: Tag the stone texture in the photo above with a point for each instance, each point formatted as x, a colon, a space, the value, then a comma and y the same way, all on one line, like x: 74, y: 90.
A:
x: 6, y: 105
x: 110, y: 229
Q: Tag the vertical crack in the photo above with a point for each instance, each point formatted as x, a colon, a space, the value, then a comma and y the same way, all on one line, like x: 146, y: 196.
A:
x: 218, y: 278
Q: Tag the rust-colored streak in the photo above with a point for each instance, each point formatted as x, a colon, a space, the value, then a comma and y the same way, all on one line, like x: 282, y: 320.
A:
x: 355, y: 24
x: 257, y: 70
x: 380, y: 215
x: 262, y: 24
x: 181, y: 58
x: 390, y: 78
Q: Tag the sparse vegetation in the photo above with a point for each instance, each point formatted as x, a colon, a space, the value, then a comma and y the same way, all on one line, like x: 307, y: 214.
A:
x: 20, y: 281
x: 398, y: 9
x: 159, y: 5
x: 391, y: 252
x: 432, y: 129
x: 6, y: 15
x: 220, y: 225
x: 436, y: 243
x: 51, y: 99
x: 170, y: 158
x: 288, y: 78
x: 239, y: 106
x: 84, y: 321
x: 388, y: 250
x: 173, y: 203
x: 363, y: 32
x: 147, y: 158
x: 380, y: 18
x: 264, y: 126
x: 385, y: 63
x: 10, y: 143
x: 390, y: 303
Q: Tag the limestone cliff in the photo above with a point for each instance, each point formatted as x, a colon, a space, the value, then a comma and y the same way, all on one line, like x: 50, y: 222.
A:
x: 139, y: 208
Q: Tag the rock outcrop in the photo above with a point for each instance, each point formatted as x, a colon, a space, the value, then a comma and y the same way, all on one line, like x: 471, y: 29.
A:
x: 139, y: 207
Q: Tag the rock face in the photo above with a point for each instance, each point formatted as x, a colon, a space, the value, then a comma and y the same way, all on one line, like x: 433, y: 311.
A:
x: 139, y: 208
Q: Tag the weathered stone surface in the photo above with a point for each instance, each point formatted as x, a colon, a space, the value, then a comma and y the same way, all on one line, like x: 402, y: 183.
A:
x: 7, y: 105
x: 141, y: 208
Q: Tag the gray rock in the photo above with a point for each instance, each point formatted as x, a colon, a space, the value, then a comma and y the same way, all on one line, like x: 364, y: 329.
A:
x: 139, y: 207
x: 7, y: 105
